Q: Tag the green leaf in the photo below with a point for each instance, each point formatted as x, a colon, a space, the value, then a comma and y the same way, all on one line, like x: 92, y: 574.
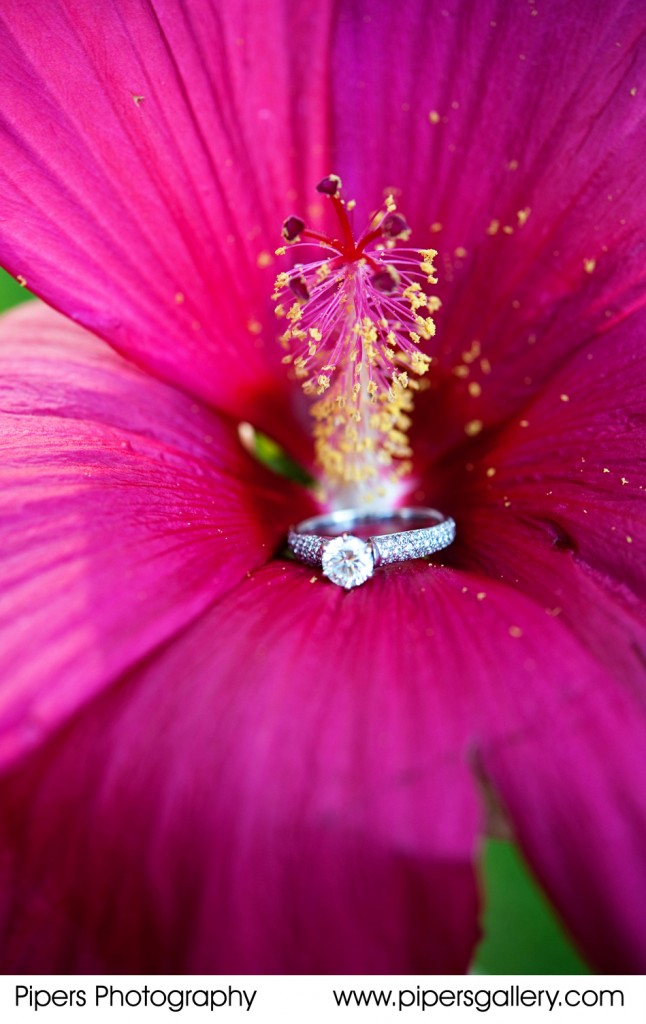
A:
x: 522, y: 934
x: 11, y: 292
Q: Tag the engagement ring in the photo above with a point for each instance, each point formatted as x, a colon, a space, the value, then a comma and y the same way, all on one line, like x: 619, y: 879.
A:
x: 326, y: 541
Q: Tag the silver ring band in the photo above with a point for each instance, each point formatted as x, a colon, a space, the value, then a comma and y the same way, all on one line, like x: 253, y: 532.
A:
x: 326, y: 542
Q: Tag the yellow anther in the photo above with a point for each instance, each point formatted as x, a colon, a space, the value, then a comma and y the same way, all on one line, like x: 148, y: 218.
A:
x: 323, y: 272
x: 420, y: 363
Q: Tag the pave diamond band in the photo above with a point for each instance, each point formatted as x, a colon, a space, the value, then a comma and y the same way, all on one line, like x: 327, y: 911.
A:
x: 326, y: 541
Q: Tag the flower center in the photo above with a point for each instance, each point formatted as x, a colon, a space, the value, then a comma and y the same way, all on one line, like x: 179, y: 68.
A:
x: 356, y: 321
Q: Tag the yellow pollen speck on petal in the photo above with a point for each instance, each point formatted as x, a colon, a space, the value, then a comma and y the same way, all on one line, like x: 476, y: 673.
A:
x: 281, y: 250
x: 351, y: 204
x: 491, y: 471
x: 524, y: 423
x: 564, y: 398
x: 624, y: 480
x: 434, y: 117
x: 508, y: 230
x: 474, y: 389
x: 633, y: 91
x: 606, y: 470
x: 473, y: 428
x: 589, y: 265
x: 264, y: 259
x: 472, y: 352
x: 485, y: 366
x: 512, y: 165
x: 254, y: 326
x: 461, y: 371
x: 461, y: 252
x: 515, y: 631
x: 313, y: 579
x: 629, y: 540
x: 480, y: 596
x: 523, y: 216
x: 494, y: 227
x: 22, y: 281
x: 507, y: 503
x: 137, y: 100
x: 179, y: 297
x: 436, y: 227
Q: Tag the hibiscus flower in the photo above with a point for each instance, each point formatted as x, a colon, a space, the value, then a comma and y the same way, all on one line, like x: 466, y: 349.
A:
x: 213, y: 758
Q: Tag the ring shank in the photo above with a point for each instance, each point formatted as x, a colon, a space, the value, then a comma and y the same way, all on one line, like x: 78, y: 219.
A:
x: 307, y: 541
x: 333, y: 524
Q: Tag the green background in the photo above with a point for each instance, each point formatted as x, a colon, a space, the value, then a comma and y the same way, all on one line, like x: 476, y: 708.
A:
x: 521, y: 933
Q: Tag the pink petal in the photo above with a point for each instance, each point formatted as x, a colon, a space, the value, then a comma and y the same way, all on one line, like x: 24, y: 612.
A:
x: 302, y: 765
x: 574, y: 787
x: 540, y: 113
x: 147, y: 165
x: 127, y: 509
x: 302, y: 801
x: 554, y: 502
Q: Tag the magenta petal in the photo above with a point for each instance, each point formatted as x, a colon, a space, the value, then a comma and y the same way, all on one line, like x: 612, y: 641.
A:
x: 574, y: 460
x: 301, y: 797
x: 554, y: 503
x: 565, y: 755
x: 144, y: 190
x: 574, y: 788
x: 126, y: 509
x: 515, y: 134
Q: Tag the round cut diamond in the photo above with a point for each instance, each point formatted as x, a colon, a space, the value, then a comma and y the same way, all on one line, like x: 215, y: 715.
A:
x: 348, y: 561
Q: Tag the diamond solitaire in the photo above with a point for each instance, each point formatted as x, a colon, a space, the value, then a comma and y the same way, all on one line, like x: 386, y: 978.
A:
x: 348, y: 561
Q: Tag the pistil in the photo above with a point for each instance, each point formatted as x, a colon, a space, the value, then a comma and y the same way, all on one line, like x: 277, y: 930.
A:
x: 357, y: 319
